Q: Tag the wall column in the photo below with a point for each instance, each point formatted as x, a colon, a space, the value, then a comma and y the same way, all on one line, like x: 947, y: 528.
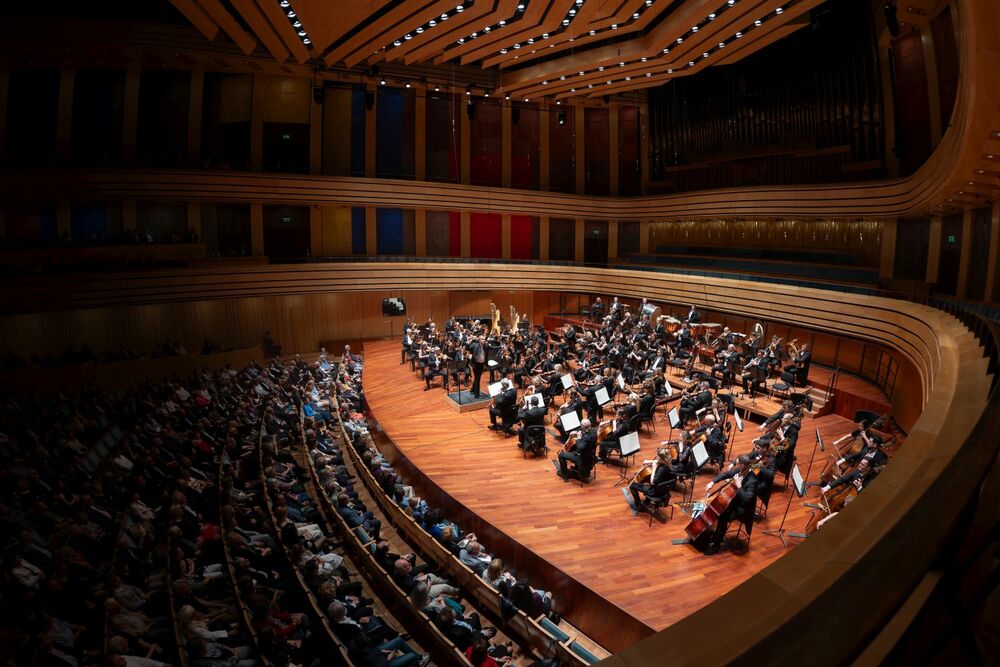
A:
x: 194, y: 116
x: 505, y: 144
x: 420, y: 135
x: 194, y: 219
x: 579, y: 130
x: 963, y: 263
x: 991, y: 266
x: 581, y: 230
x: 63, y: 223
x: 130, y: 113
x: 257, y: 123
x: 933, y: 250
x: 505, y: 236
x: 543, y: 146
x: 465, y: 156
x: 315, y: 136
x: 889, y: 114
x: 371, y: 232
x: 4, y: 83
x: 887, y: 262
x: 933, y: 92
x: 420, y: 232
x: 3, y: 226
x: 370, y: 123
x: 465, y: 224
x: 64, y: 115
x: 645, y: 229
x: 543, y: 238
x: 612, y: 153
x: 256, y: 230
x: 612, y: 240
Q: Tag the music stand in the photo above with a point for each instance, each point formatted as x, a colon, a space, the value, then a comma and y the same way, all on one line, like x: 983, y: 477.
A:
x: 601, y: 395
x: 457, y: 370
x: 675, y: 421
x: 800, y: 488
x: 629, y: 444
x: 570, y: 421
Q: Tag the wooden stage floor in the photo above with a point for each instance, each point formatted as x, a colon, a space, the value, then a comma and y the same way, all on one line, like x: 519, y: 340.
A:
x: 588, y: 533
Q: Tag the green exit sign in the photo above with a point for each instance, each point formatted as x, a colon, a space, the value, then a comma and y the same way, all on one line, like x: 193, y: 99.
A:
x: 286, y: 218
x: 952, y: 238
x: 286, y: 136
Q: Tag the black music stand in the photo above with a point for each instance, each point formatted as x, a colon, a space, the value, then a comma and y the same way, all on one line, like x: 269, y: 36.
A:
x: 459, y: 371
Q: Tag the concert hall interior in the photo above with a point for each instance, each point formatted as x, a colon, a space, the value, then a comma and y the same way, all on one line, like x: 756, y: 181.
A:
x: 499, y: 333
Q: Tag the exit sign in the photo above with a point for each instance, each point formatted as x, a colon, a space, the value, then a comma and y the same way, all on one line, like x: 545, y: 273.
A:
x: 952, y: 238
x: 286, y: 135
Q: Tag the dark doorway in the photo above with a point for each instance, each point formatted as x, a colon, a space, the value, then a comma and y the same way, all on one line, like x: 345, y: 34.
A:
x: 595, y: 242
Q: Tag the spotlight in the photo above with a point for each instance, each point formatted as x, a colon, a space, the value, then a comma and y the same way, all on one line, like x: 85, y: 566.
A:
x: 561, y: 118
x: 381, y: 82
x: 406, y: 85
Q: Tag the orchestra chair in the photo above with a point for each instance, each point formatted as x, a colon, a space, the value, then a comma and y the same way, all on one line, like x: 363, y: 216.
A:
x: 635, y: 423
x: 552, y: 629
x: 647, y: 418
x: 660, y: 498
x: 783, y: 385
x: 744, y: 529
x: 534, y: 442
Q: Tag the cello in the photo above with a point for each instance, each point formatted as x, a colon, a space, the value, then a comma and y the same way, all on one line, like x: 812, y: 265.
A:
x: 705, y: 522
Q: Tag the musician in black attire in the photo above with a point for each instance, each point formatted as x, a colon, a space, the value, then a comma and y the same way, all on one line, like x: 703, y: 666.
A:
x: 478, y: 350
x: 799, y: 368
x: 755, y: 372
x: 435, y: 368
x: 715, y: 439
x: 533, y: 414
x: 749, y: 476
x: 461, y: 370
x: 582, y: 454
x: 504, y: 406
x: 573, y: 404
x: 619, y: 431
x: 861, y: 477
x: 597, y: 310
x: 690, y: 406
x: 663, y: 474
x: 693, y: 317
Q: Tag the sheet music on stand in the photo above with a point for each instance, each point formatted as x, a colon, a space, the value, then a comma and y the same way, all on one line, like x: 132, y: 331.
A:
x: 668, y: 388
x: 800, y: 484
x: 492, y: 363
x: 495, y: 389
x: 700, y: 454
x: 567, y: 380
x: 570, y: 421
x: 621, y: 382
x: 675, y: 418
x: 602, y: 396
x: 739, y: 422
x: 629, y: 443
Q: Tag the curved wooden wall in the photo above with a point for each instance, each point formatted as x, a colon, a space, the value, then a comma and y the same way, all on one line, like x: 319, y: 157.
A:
x: 799, y: 589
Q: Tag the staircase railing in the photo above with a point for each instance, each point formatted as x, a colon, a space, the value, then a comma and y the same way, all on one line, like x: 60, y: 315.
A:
x: 831, y: 386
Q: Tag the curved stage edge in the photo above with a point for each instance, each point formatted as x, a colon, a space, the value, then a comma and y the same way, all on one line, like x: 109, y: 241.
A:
x: 613, y: 576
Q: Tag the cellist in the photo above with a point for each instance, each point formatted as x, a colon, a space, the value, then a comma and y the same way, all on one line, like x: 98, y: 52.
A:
x: 747, y: 475
x: 661, y: 473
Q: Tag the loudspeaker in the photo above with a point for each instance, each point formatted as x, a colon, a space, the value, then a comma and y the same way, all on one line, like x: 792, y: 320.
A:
x: 318, y: 94
x: 369, y: 100
x: 891, y: 22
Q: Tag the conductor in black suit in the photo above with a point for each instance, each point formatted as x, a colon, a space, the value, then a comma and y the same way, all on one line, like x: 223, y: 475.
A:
x: 533, y: 414
x: 478, y: 349
x: 582, y: 454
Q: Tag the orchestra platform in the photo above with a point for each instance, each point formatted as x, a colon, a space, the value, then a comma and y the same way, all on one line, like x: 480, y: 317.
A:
x: 613, y: 575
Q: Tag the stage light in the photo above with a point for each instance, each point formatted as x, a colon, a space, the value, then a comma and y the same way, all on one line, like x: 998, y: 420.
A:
x: 561, y: 118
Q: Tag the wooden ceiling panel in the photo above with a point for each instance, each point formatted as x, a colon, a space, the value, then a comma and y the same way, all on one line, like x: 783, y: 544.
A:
x: 476, y: 22
x: 328, y: 21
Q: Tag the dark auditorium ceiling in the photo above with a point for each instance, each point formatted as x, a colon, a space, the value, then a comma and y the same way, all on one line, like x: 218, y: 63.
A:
x: 530, y: 48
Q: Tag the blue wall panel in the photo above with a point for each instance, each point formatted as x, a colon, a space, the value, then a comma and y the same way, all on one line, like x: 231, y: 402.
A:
x: 389, y: 230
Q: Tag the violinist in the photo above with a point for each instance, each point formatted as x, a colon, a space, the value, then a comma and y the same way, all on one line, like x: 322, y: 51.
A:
x: 658, y: 483
x: 504, y: 406
x: 434, y: 369
x: 748, y: 475
x: 786, y: 406
x: 619, y: 429
x: 581, y: 453
x: 690, y: 406
x: 715, y: 439
x: 532, y: 414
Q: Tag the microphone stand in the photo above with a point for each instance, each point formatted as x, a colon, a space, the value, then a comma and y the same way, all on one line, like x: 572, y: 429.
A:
x: 780, y: 531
